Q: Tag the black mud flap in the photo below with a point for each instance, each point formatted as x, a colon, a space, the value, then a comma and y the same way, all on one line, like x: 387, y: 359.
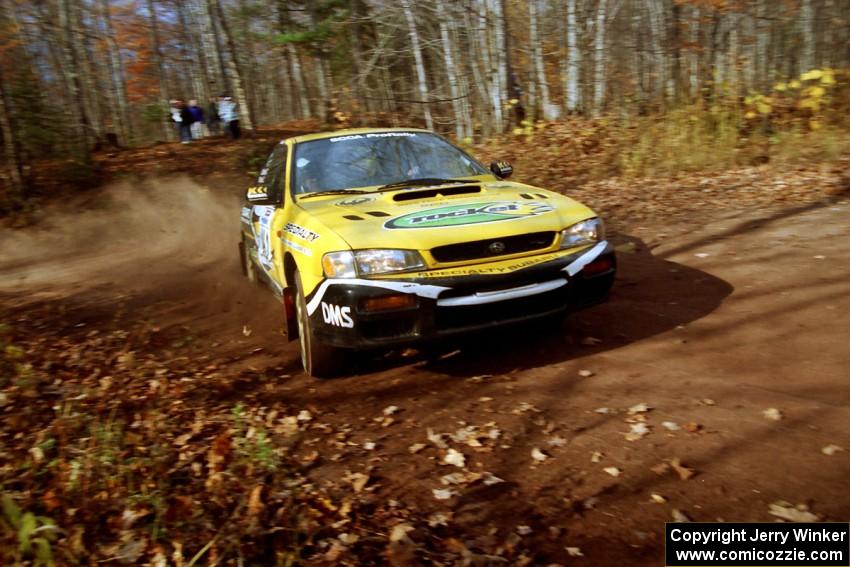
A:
x: 242, y: 262
x: 290, y: 322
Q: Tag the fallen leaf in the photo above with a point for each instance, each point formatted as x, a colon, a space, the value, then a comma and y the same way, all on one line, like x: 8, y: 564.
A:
x: 490, y: 479
x: 791, y: 513
x: 255, y: 502
x: 439, y: 519
x: 455, y: 458
x: 246, y: 330
x: 574, y: 552
x: 639, y: 408
x: 557, y: 441
x: 693, y: 427
x: 657, y: 498
x: 684, y: 472
x: 772, y: 413
x: 637, y: 431
x: 415, y: 448
x: 831, y: 449
x: 613, y: 471
x: 538, y: 455
x: 602, y: 410
x: 304, y: 415
x: 670, y: 426
x: 596, y: 456
x: 400, y: 531
x: 358, y: 481
x: 443, y: 493
x: 661, y: 468
x: 390, y: 410
x: 679, y: 516
x: 436, y: 439
x: 523, y: 530
x: 369, y: 445
x: 586, y: 373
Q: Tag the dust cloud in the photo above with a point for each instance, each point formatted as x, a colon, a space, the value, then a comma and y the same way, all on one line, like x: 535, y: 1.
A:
x: 138, y: 235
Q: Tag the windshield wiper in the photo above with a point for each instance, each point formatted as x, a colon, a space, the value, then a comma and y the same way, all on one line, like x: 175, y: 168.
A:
x: 333, y: 192
x: 419, y: 182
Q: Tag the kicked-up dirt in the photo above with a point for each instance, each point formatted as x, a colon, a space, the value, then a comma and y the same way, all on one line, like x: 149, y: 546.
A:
x: 711, y: 386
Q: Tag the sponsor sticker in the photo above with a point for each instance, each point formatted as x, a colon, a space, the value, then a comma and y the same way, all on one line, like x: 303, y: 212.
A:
x: 300, y: 232
x: 337, y: 316
x: 374, y: 135
x: 477, y: 213
x: 354, y: 201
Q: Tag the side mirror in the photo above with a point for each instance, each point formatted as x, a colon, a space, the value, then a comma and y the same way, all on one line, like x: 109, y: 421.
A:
x: 501, y: 169
x: 259, y: 196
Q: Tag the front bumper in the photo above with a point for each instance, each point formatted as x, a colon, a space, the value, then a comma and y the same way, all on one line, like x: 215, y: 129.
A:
x: 449, y: 305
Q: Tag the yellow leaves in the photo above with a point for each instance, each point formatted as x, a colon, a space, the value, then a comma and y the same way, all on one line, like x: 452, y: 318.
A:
x: 780, y: 87
x: 815, y: 124
x: 764, y: 107
x: 825, y: 76
x: 812, y: 75
x: 795, y: 84
x: 758, y: 103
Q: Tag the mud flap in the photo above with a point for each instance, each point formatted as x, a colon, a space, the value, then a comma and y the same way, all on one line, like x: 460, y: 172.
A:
x: 291, y: 324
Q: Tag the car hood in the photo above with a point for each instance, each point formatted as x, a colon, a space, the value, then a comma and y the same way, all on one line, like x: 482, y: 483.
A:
x: 424, y: 217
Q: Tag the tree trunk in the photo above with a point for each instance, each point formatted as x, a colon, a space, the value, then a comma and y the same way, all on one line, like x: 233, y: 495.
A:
x: 420, y: 65
x: 117, y: 74
x: 246, y: 112
x: 573, y: 94
x: 80, y: 123
x: 807, y: 33
x: 539, y: 66
x: 14, y: 168
x: 599, y: 77
x: 212, y: 50
x: 451, y: 70
x: 168, y: 130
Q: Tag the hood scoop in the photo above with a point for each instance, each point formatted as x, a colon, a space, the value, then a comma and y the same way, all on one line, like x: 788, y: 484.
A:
x: 411, y: 195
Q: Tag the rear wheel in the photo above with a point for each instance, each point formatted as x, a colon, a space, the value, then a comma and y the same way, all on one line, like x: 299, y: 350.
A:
x: 319, y: 360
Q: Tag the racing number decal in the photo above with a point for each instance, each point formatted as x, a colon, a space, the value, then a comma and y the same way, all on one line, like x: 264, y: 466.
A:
x: 262, y: 234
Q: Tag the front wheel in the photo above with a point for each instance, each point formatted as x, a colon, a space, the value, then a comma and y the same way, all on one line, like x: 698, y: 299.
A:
x: 319, y: 360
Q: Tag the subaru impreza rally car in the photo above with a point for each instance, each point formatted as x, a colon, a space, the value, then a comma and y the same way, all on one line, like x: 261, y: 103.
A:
x: 381, y: 237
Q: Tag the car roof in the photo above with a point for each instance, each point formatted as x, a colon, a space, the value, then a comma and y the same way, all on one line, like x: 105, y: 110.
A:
x: 350, y: 132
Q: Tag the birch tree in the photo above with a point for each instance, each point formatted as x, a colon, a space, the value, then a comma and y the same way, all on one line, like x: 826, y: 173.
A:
x: 419, y: 62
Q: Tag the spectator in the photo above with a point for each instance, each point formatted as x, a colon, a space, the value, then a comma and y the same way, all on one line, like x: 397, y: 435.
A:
x: 229, y: 116
x: 197, y: 119
x: 174, y: 115
x: 213, y: 119
x: 186, y: 120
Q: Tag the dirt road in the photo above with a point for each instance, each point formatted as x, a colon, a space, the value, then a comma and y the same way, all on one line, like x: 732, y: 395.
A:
x: 722, y: 356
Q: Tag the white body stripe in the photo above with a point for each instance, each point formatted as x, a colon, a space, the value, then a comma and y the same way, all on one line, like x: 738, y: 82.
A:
x: 579, y: 263
x: 481, y: 298
x: 422, y: 290
x: 432, y: 291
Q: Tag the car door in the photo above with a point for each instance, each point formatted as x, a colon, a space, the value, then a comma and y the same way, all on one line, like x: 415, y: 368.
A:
x: 270, y: 187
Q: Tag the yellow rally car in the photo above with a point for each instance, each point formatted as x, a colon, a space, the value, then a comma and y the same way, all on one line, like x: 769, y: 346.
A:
x: 380, y: 237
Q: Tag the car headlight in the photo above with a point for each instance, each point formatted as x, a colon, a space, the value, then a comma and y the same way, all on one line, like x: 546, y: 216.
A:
x: 350, y: 264
x: 585, y: 232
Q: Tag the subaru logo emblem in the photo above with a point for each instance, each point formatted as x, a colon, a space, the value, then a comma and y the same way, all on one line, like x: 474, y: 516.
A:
x: 496, y: 247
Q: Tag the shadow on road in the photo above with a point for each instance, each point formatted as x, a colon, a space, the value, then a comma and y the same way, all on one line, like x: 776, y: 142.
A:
x: 651, y: 296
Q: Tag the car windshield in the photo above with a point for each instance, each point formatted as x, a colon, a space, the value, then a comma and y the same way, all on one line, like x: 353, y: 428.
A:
x: 376, y: 158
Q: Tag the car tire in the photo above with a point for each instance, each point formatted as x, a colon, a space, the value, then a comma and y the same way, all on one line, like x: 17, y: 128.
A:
x: 248, y: 268
x: 319, y: 360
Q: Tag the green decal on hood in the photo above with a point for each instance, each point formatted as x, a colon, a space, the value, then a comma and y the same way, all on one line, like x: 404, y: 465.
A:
x: 476, y: 213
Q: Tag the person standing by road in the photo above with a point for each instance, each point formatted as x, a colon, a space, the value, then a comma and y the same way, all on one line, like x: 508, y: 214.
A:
x: 197, y: 120
x: 229, y: 116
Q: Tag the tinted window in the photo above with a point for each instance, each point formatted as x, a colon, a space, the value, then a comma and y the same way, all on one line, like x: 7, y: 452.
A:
x: 272, y: 175
x: 363, y: 160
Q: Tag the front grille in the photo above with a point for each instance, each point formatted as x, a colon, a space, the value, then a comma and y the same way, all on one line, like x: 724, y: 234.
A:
x: 460, y: 317
x: 493, y: 247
